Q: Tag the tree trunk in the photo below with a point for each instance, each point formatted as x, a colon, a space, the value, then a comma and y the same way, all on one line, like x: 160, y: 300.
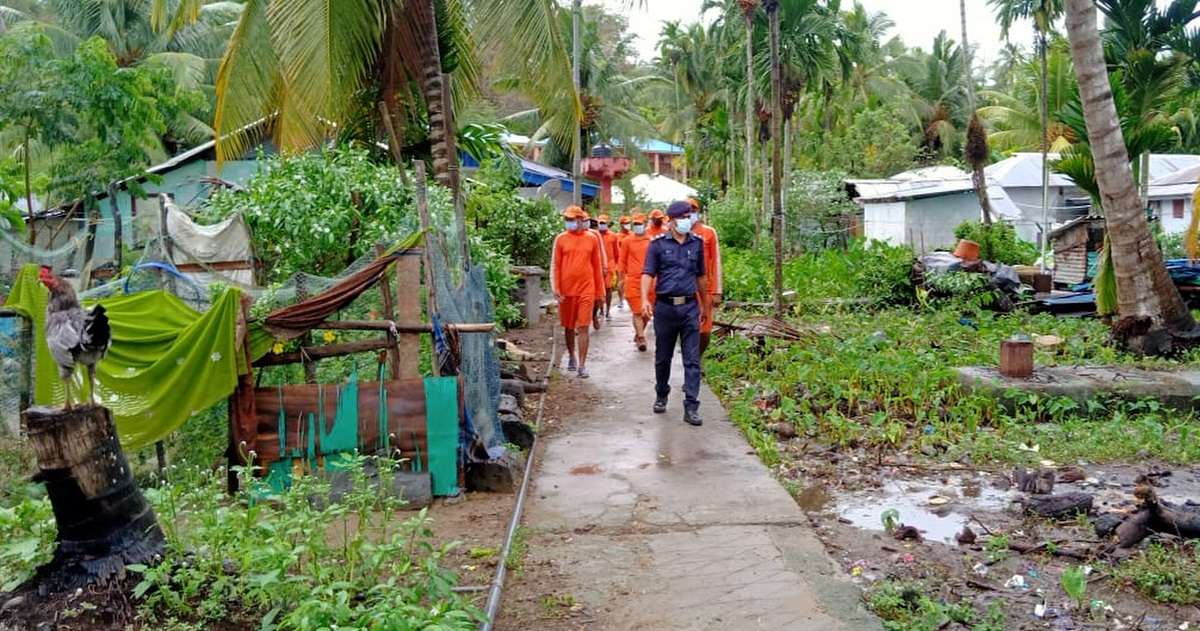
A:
x: 1147, y: 300
x: 750, y: 107
x: 1044, y: 105
x: 104, y: 523
x: 29, y: 196
x: 118, y: 228
x: 979, y: 179
x: 966, y: 48
x: 577, y: 150
x: 772, y: 7
x: 441, y: 134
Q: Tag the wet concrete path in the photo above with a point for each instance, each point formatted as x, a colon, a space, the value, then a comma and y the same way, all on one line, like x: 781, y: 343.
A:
x: 655, y: 524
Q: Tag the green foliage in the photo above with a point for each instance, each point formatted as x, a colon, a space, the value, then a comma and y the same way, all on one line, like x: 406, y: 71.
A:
x: 99, y: 122
x: 500, y: 281
x: 817, y: 211
x: 1074, y: 583
x: 877, y: 273
x: 998, y: 242
x: 1106, y: 282
x: 890, y: 519
x: 877, y: 143
x: 908, y: 607
x: 318, y: 212
x: 27, y: 532
x: 522, y: 228
x: 292, y: 563
x: 1167, y: 573
x: 733, y: 218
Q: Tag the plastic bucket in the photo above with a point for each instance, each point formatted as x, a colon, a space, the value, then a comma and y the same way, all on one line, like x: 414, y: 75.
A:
x: 967, y: 250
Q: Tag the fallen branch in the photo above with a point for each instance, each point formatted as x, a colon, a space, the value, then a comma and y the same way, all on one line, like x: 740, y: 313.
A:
x: 1056, y: 506
x: 1156, y: 516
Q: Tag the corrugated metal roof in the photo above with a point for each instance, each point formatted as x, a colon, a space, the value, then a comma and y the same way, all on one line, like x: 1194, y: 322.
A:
x: 890, y: 190
x: 1024, y: 170
x: 1188, y: 175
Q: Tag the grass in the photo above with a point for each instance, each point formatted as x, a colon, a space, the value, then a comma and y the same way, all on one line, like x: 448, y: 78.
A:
x: 1167, y: 573
x: 520, y: 547
x: 907, y: 606
x: 884, y: 381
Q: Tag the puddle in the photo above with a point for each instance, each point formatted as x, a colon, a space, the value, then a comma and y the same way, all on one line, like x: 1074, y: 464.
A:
x: 911, y: 499
x: 585, y: 469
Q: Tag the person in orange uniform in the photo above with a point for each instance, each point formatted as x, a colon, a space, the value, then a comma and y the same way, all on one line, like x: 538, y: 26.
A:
x: 621, y: 237
x: 598, y: 303
x: 712, y: 263
x: 656, y: 227
x: 612, y: 255
x: 575, y: 273
x: 633, y: 258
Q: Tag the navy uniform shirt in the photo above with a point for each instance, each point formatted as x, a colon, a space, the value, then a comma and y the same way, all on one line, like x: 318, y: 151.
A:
x: 676, y: 265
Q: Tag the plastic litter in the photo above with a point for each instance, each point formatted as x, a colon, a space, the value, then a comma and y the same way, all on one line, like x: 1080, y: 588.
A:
x: 1016, y: 582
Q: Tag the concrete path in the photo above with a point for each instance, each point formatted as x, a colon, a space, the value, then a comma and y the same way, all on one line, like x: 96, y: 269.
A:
x: 659, y: 525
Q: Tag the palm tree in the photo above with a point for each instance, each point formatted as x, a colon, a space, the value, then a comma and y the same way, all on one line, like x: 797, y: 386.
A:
x: 1043, y: 13
x: 1014, y: 111
x: 748, y: 10
x: 1151, y: 310
x: 776, y: 61
x: 936, y: 80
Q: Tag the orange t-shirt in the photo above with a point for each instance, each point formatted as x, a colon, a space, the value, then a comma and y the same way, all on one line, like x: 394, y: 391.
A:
x: 712, y: 257
x: 575, y: 265
x: 633, y: 259
x: 612, y: 252
x: 652, y: 232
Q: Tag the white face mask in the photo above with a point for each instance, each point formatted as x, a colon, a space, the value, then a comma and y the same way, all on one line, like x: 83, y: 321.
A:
x: 639, y: 228
x: 572, y: 225
x: 603, y: 227
x: 683, y: 225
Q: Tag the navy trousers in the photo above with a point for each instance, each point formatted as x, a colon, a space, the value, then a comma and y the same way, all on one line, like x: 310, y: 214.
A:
x: 682, y: 322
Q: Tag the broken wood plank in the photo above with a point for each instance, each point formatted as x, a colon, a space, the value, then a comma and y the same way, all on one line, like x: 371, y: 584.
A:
x: 1056, y: 506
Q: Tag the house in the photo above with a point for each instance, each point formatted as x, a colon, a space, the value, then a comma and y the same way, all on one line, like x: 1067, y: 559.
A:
x: 539, y: 180
x: 921, y: 208
x: 1077, y: 246
x: 1170, y: 199
x: 665, y: 159
x: 1021, y: 177
x: 189, y: 178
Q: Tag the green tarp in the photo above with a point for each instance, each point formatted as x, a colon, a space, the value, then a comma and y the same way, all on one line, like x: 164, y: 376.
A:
x: 167, y: 361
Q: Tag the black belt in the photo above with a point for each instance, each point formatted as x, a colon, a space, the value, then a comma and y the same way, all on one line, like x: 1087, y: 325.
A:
x: 674, y: 300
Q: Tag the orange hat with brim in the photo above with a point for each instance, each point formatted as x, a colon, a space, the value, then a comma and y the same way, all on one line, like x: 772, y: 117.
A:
x: 624, y: 220
x: 657, y: 214
x: 638, y: 218
x: 694, y: 202
x: 574, y: 212
x: 602, y: 218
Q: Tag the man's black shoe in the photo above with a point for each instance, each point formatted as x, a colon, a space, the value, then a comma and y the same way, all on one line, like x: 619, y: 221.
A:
x: 660, y: 405
x: 692, y: 417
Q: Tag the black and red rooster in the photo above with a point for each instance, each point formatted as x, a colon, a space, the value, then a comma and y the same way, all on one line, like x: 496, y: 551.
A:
x: 74, y: 336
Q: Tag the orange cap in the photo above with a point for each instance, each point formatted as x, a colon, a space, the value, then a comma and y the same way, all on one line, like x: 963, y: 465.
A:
x: 694, y: 202
x: 574, y: 212
x: 624, y: 220
x: 638, y: 218
x: 657, y: 214
x: 602, y: 218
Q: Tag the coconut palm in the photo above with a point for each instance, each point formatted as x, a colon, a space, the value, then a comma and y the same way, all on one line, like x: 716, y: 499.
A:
x: 1150, y: 307
x: 937, y: 80
x: 1015, y: 112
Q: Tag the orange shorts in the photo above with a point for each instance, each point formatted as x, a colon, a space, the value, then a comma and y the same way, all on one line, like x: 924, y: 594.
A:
x: 633, y: 295
x: 575, y: 312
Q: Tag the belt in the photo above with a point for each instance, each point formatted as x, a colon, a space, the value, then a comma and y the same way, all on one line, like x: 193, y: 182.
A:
x: 675, y: 300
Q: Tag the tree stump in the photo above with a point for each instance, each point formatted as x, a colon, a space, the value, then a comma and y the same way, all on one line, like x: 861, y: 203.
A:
x: 104, y: 523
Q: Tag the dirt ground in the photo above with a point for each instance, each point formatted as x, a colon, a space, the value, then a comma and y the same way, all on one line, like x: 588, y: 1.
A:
x: 845, y: 496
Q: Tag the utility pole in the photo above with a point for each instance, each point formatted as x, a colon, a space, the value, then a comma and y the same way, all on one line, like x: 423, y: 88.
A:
x: 577, y: 185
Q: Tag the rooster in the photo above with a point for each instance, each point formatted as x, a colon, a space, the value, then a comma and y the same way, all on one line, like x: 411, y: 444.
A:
x: 73, y: 335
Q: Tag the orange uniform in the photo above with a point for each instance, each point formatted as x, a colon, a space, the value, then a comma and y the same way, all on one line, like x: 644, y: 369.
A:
x: 712, y: 269
x: 575, y: 275
x: 633, y: 258
x: 603, y: 262
x: 652, y: 230
x: 612, y: 253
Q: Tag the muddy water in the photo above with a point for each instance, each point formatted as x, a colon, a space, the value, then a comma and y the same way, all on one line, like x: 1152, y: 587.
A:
x: 938, y: 510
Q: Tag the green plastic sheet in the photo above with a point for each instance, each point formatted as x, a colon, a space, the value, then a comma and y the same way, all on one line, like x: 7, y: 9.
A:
x: 167, y: 361
x: 441, y: 430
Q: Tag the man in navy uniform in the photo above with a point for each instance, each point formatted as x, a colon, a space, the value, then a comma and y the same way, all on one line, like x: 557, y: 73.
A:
x: 675, y: 261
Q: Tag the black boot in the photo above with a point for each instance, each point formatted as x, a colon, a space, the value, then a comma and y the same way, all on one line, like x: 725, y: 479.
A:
x: 660, y: 405
x: 692, y: 417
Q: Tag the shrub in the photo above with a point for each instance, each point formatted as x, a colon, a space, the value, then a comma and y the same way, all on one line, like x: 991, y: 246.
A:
x: 998, y: 243
x: 522, y: 228
x: 733, y: 218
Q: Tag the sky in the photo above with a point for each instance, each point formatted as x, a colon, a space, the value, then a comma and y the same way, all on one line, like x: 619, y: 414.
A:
x: 917, y: 22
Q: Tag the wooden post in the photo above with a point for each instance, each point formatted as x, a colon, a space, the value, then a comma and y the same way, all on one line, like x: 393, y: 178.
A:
x: 27, y: 378
x: 389, y: 312
x: 426, y: 226
x: 104, y: 522
x: 408, y: 301
x: 1016, y: 358
x: 164, y: 235
x: 118, y: 228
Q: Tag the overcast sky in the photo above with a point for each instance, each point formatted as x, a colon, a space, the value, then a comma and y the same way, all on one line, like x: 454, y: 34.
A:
x: 917, y: 22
